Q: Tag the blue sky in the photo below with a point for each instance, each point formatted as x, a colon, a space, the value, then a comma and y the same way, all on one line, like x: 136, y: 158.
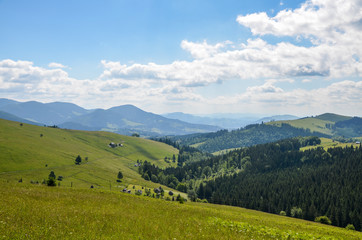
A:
x: 269, y: 57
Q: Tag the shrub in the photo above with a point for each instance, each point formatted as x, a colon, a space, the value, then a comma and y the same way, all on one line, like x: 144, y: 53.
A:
x: 78, y: 160
x: 323, y: 219
x: 350, y: 227
x: 296, y: 212
x: 283, y: 213
x: 119, y: 175
x: 180, y: 199
x: 51, y: 182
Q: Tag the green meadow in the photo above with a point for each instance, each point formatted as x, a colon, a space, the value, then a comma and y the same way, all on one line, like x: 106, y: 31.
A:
x: 30, y: 152
x: 73, y: 210
x: 313, y: 124
x: 41, y: 212
x: 330, y: 143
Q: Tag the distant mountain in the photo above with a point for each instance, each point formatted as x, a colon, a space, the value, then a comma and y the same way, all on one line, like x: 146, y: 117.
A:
x: 11, y: 117
x: 132, y: 119
x: 4, y: 102
x: 45, y: 113
x: 226, y: 123
x: 126, y: 119
x: 276, y: 118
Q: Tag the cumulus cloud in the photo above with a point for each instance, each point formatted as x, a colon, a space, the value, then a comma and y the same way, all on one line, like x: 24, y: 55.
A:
x: 268, y: 87
x: 56, y: 65
x: 333, y: 28
x: 203, y: 50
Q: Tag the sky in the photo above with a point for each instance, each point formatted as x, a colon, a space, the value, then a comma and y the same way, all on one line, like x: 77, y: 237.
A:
x: 195, y: 56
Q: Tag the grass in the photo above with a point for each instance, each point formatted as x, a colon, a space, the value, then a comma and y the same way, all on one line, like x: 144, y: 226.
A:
x: 35, y: 211
x: 30, y: 152
x: 329, y: 143
x: 40, y: 212
x: 313, y: 124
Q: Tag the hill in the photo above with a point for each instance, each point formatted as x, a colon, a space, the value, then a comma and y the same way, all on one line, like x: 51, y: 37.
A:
x: 342, y: 128
x: 223, y: 122
x: 30, y: 152
x: 40, y: 212
x: 129, y: 117
x: 277, y: 118
x: 329, y: 124
x: 243, y: 137
x: 11, y: 117
x: 44, y: 113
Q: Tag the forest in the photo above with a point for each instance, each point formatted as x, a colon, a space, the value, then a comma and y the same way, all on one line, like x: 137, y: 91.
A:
x: 248, y: 136
x: 275, y: 177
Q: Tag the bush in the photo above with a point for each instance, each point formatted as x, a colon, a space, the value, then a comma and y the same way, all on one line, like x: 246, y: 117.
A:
x: 350, y: 227
x: 323, y: 219
x: 296, y: 212
x: 51, y: 182
x: 283, y: 213
x: 78, y: 160
x: 180, y: 199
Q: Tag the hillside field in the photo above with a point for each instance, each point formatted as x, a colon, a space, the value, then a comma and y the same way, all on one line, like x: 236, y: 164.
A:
x: 40, y: 212
x: 313, y: 124
x: 30, y: 152
x: 73, y: 210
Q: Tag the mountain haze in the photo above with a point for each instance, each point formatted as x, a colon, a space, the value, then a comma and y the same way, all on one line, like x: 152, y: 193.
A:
x: 45, y: 113
x: 126, y: 119
x: 117, y: 119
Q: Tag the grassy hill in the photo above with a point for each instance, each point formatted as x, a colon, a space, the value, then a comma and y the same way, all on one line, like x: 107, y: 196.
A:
x: 31, y: 152
x: 36, y: 211
x: 40, y: 212
x: 314, y: 124
x: 329, y: 124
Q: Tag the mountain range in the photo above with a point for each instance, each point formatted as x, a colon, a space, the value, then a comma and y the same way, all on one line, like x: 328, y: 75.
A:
x: 125, y: 119
x: 226, y: 121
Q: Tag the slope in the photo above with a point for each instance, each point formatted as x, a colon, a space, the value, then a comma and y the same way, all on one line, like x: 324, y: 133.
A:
x: 330, y: 124
x: 38, y: 212
x: 31, y: 152
x: 117, y: 119
x: 46, y: 113
x: 243, y: 137
x: 11, y: 117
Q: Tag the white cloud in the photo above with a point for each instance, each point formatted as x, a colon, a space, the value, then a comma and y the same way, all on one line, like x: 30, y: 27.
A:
x: 203, y: 50
x: 268, y: 87
x: 56, y: 65
x: 333, y: 27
